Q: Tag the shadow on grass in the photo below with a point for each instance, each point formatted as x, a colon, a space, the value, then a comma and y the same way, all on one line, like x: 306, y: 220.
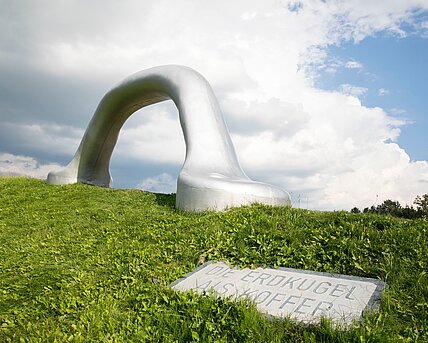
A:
x: 167, y: 200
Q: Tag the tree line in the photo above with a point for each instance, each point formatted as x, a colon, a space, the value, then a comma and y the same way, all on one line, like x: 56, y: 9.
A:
x: 393, y: 208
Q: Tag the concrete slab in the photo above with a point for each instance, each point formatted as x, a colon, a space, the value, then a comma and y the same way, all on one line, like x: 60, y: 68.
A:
x: 303, y: 295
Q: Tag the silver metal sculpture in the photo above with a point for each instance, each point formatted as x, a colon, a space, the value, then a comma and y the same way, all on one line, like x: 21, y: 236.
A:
x: 211, y: 177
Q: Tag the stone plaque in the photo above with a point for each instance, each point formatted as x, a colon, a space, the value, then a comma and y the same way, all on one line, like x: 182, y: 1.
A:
x: 302, y: 295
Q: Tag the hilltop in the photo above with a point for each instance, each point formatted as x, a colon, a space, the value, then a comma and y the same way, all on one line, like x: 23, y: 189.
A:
x: 82, y: 263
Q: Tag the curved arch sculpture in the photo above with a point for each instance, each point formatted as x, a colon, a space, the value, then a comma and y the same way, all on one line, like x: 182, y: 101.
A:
x: 211, y: 177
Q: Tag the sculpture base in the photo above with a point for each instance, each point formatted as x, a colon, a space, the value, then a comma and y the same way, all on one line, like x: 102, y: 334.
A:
x: 216, y: 192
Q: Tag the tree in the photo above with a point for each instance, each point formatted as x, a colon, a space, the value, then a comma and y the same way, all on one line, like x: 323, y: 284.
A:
x: 421, y: 203
x: 393, y: 208
x: 389, y: 207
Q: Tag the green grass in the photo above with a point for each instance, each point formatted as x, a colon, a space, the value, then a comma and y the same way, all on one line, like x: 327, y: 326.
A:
x: 88, y: 264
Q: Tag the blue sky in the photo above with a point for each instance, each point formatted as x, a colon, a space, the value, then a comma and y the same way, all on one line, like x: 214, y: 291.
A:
x: 394, y: 71
x: 325, y: 99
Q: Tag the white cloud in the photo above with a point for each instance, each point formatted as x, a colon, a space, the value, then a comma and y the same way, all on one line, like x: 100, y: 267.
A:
x: 261, y: 58
x: 353, y: 90
x: 383, y: 91
x: 353, y: 65
x: 248, y: 15
x: 423, y: 29
x: 15, y: 165
x: 153, y: 135
x: 274, y: 116
x: 340, y: 139
x: 356, y: 19
x: 46, y: 139
x: 397, y: 111
x: 162, y: 183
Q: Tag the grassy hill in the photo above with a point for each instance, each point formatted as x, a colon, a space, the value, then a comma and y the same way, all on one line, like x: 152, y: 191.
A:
x: 81, y: 263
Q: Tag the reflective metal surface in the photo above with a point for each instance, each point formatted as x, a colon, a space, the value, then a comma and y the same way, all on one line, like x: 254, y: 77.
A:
x: 211, y: 177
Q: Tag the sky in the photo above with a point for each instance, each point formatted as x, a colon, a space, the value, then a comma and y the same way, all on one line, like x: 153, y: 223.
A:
x: 325, y: 99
